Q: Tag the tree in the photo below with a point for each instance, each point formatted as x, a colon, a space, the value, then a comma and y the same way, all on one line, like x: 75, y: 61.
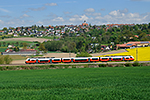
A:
x: 25, y: 45
x: 4, y: 44
x: 16, y: 48
x: 17, y: 43
x: 7, y: 59
x: 64, y: 49
x: 4, y: 29
x: 21, y: 44
x: 8, y: 44
x: 42, y: 47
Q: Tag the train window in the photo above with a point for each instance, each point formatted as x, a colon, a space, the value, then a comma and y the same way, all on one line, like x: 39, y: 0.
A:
x: 80, y: 59
x: 32, y: 60
x: 127, y: 58
x: 117, y: 58
x: 94, y: 58
x: 43, y: 60
x: 28, y: 59
x: 56, y: 59
x: 104, y: 58
x: 66, y: 59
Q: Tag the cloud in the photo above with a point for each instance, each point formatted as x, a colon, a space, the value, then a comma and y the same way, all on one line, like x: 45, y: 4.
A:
x: 37, y: 9
x: 52, y: 15
x: 103, y: 9
x: 89, y: 10
x: 78, y: 18
x: 1, y: 22
x: 58, y: 19
x: 67, y: 12
x: 24, y: 16
x: 5, y: 16
x: 4, y: 10
x: 124, y: 10
x: 51, y: 4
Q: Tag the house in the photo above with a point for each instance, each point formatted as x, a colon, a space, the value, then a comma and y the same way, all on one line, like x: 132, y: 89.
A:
x: 133, y: 44
x: 21, y: 52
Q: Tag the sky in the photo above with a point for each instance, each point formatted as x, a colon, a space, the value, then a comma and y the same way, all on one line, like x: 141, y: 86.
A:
x: 17, y: 13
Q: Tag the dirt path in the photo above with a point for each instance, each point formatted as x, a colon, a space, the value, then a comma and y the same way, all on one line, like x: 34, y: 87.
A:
x: 107, y: 53
x: 60, y: 55
x: 26, y: 39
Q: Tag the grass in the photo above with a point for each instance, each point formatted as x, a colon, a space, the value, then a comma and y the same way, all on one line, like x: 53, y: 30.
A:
x: 128, y: 83
x: 16, y: 57
x: 2, y: 49
x: 13, y: 42
x: 140, y: 54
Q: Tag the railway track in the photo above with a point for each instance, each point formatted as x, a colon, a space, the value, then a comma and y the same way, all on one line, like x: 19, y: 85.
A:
x: 70, y: 63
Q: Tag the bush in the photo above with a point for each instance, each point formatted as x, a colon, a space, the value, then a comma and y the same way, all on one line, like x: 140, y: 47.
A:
x: 128, y: 64
x: 136, y: 63
x: 7, y: 59
x: 1, y: 60
x: 102, y: 65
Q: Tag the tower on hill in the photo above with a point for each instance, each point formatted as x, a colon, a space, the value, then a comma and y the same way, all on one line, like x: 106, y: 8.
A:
x: 84, y: 23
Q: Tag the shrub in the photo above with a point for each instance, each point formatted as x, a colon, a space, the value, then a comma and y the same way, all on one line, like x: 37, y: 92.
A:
x: 1, y: 60
x: 136, y: 63
x: 102, y: 65
x: 7, y: 59
x: 128, y: 64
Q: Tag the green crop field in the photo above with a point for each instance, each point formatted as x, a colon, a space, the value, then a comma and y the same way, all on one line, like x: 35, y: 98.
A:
x: 118, y: 83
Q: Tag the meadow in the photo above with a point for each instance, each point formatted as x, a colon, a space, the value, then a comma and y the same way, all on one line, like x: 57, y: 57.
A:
x: 126, y: 83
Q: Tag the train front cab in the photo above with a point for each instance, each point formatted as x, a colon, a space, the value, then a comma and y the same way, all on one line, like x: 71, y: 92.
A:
x: 104, y: 59
x: 128, y: 58
x: 30, y: 61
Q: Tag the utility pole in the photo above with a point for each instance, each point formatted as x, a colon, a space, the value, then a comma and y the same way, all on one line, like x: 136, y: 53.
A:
x: 136, y: 54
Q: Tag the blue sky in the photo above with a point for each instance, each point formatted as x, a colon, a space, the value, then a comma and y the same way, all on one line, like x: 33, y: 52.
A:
x: 14, y: 13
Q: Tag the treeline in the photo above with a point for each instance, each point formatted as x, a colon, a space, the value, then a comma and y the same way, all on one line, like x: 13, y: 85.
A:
x: 70, y: 44
x: 5, y: 44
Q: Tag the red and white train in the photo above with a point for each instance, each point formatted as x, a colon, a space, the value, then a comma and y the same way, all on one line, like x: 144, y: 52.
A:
x: 78, y: 60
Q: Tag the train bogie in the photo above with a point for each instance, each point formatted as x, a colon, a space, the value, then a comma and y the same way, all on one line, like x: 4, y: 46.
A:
x: 30, y: 61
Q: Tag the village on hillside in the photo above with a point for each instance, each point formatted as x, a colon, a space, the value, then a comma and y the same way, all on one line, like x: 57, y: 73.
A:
x: 85, y: 37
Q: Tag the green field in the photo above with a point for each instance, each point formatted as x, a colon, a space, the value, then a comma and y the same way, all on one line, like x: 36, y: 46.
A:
x: 118, y: 83
x: 2, y: 49
x: 14, y: 43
